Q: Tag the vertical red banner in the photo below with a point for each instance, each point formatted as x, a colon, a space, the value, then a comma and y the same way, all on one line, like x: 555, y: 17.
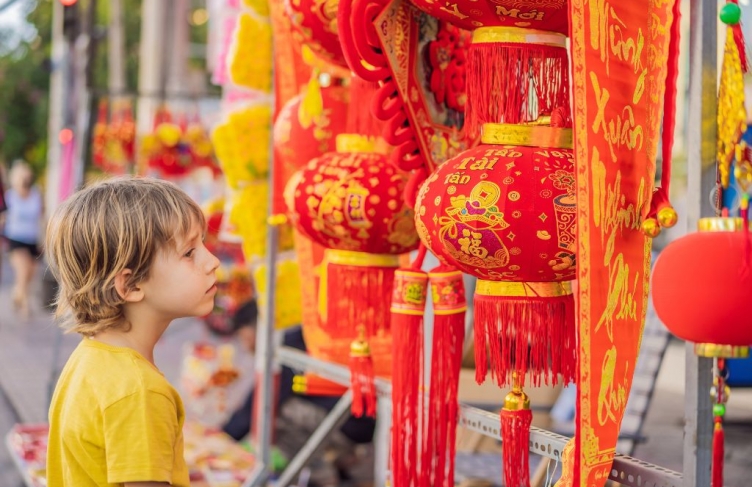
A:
x: 619, y: 60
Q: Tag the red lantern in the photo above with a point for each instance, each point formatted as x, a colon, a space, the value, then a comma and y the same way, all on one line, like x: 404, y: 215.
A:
x: 314, y: 24
x: 350, y: 201
x: 719, y: 287
x: 308, y: 125
x: 549, y: 15
x: 505, y: 212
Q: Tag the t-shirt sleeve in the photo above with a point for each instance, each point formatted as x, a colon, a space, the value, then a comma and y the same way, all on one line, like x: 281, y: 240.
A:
x: 141, y: 432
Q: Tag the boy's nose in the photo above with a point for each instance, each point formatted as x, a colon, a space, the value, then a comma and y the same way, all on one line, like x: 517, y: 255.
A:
x: 214, y: 262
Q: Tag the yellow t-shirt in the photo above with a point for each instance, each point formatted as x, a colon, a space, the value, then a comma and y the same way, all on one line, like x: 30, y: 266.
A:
x: 114, y: 418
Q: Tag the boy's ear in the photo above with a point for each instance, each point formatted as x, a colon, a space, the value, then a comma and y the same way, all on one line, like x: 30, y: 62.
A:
x: 130, y: 294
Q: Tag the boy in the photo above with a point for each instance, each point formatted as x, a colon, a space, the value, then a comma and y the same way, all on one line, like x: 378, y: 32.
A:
x: 129, y: 257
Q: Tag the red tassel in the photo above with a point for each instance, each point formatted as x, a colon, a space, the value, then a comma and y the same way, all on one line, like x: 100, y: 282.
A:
x: 362, y: 380
x: 500, y: 77
x: 529, y: 334
x: 446, y: 359
x: 408, y: 303
x: 718, y: 452
x: 357, y: 289
x: 515, y: 439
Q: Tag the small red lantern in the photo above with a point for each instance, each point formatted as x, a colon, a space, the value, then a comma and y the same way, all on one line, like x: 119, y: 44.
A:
x: 307, y: 126
x: 505, y: 212
x: 549, y: 15
x: 350, y: 201
x: 719, y: 287
x: 314, y: 24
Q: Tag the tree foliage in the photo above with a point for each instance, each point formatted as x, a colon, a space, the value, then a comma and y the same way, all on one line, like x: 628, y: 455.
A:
x: 25, y: 74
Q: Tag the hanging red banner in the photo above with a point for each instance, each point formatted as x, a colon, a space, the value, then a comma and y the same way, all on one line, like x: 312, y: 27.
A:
x: 619, y: 60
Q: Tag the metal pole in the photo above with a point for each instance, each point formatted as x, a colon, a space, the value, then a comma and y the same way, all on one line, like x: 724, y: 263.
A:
x: 265, y: 350
x: 178, y: 54
x: 58, y: 78
x: 151, y: 62
x: 336, y: 417
x: 382, y: 440
x: 701, y: 137
x: 116, y: 50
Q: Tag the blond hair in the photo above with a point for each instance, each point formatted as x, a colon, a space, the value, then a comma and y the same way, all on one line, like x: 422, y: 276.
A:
x: 113, y: 225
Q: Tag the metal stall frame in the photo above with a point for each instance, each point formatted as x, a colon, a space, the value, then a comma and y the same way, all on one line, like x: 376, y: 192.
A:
x: 626, y: 470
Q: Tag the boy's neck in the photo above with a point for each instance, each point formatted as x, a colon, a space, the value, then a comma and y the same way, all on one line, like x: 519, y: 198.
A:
x: 141, y: 337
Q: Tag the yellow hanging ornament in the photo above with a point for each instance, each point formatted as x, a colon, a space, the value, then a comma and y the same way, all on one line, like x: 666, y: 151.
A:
x: 732, y: 115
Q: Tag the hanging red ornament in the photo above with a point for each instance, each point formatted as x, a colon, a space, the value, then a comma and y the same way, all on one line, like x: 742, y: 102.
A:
x: 505, y: 212
x: 350, y: 201
x: 516, y: 75
x: 719, y: 313
x: 314, y: 24
x: 449, y: 306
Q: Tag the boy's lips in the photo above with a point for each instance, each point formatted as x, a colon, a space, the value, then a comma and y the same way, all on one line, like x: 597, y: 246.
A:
x: 213, y: 287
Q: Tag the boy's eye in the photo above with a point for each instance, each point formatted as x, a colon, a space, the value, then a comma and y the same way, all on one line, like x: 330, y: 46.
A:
x: 189, y: 253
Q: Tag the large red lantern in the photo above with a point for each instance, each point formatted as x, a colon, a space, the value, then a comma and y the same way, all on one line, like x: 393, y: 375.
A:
x: 307, y: 126
x: 719, y: 288
x: 314, y: 24
x: 719, y: 313
x: 505, y: 212
x: 549, y: 15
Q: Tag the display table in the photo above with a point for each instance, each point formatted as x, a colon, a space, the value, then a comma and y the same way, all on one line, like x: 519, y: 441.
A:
x: 213, y: 458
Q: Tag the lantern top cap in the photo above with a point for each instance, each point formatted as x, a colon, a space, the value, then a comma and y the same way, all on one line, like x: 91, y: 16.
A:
x: 518, y: 35
x: 543, y: 136
x: 715, y: 350
x: 721, y: 224
x: 357, y: 143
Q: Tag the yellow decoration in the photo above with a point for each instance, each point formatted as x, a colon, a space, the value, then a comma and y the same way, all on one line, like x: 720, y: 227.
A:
x: 251, y: 54
x: 168, y: 134
x: 288, y: 305
x: 241, y: 143
x: 261, y: 7
x: 732, y: 115
x: 249, y: 208
x: 312, y: 104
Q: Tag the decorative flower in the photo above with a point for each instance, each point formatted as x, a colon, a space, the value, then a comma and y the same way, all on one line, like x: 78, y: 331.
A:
x: 251, y: 53
x: 563, y: 180
x: 241, y: 143
x: 288, y: 306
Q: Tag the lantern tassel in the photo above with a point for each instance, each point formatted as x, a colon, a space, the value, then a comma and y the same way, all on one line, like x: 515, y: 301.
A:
x: 448, y: 292
x: 528, y: 328
x: 355, y: 288
x: 408, y: 304
x: 499, y: 82
x: 718, y: 452
x: 362, y: 378
x: 516, y: 419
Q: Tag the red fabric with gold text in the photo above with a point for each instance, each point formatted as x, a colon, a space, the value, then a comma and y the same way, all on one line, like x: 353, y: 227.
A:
x: 619, y: 58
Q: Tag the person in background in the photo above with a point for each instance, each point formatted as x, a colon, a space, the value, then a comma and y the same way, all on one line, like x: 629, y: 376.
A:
x: 297, y: 412
x: 21, y: 230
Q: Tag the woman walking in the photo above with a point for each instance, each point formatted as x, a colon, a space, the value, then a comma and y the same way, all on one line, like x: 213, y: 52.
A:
x: 22, y: 224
